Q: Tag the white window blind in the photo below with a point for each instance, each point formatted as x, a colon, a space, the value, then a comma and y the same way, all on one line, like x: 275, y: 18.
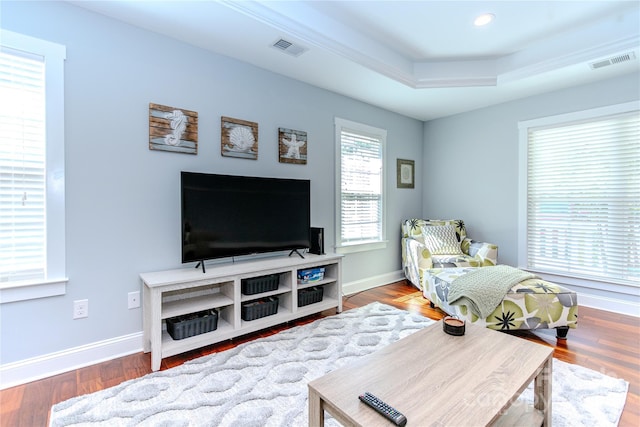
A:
x: 583, y: 198
x: 32, y: 214
x: 361, y: 199
x: 22, y: 166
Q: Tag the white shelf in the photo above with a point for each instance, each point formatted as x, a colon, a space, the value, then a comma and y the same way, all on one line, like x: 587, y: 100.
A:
x: 195, y: 304
x: 173, y: 293
x: 264, y: 322
x: 172, y: 347
x: 316, y: 307
x: 317, y: 283
x: 280, y: 290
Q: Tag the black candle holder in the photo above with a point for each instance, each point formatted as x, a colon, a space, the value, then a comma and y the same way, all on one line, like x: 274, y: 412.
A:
x: 453, y: 326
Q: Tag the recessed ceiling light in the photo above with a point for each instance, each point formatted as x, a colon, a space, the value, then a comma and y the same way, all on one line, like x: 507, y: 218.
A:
x: 484, y: 19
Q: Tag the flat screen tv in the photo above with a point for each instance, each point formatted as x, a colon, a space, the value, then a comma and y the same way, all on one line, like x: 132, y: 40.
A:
x: 226, y: 215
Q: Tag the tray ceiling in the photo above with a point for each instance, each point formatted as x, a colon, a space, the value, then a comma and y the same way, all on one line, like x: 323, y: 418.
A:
x: 422, y: 59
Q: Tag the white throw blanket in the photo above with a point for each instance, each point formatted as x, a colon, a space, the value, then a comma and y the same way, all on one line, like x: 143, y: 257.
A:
x: 485, y: 288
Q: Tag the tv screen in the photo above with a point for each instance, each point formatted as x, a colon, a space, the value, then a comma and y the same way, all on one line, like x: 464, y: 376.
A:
x: 226, y: 215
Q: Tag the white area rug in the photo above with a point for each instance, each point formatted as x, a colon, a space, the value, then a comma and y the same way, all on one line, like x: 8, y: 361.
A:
x: 264, y: 382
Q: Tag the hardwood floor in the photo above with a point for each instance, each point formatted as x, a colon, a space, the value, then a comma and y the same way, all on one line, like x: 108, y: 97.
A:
x: 604, y: 341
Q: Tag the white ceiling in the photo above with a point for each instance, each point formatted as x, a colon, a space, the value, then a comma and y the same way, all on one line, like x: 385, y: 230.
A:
x: 422, y: 59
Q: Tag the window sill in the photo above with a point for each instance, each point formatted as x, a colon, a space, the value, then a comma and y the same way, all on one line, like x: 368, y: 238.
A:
x: 361, y: 247
x: 631, y: 288
x: 34, y: 290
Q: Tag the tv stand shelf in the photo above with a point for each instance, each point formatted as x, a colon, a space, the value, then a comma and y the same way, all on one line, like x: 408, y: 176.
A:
x: 172, y: 293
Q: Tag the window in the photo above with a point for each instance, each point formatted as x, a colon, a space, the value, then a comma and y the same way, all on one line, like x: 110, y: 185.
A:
x: 582, y: 204
x: 360, y: 187
x: 32, y: 232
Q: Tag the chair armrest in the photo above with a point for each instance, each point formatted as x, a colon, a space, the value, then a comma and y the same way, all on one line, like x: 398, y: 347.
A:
x: 416, y: 258
x: 486, y: 253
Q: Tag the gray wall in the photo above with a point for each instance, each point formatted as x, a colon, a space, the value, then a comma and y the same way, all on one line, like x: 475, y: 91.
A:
x: 471, y: 159
x: 122, y: 200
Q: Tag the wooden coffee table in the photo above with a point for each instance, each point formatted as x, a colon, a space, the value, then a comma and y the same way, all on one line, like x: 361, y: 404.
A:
x: 436, y: 379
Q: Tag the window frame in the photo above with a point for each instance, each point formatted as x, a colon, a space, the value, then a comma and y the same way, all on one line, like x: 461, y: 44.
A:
x: 381, y: 243
x: 609, y: 284
x: 55, y: 279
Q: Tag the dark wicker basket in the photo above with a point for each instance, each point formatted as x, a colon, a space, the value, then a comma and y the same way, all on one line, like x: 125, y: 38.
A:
x: 189, y: 325
x: 310, y: 295
x: 259, y: 308
x: 256, y: 285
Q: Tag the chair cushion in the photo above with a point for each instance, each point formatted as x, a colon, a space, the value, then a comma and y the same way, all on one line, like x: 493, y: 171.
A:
x: 530, y: 304
x: 412, y: 228
x: 441, y: 240
x: 449, y: 261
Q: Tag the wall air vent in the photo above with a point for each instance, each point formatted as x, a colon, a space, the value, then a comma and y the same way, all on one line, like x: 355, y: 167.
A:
x: 289, y: 48
x: 618, y: 59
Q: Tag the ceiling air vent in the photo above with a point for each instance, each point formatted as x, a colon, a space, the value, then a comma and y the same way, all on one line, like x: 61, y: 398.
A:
x: 613, y: 60
x: 288, y: 47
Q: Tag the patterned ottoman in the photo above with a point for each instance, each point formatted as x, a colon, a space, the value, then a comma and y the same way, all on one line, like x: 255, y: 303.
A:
x: 530, y: 304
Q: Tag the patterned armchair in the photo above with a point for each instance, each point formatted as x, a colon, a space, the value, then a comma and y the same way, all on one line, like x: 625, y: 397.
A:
x: 436, y: 252
x: 428, y: 244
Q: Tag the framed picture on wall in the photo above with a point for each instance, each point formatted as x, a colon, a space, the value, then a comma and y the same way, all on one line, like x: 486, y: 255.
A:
x: 173, y: 129
x: 239, y: 138
x: 292, y: 146
x: 406, y: 173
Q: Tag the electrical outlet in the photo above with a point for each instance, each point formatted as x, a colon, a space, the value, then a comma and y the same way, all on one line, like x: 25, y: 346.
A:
x: 81, y: 308
x: 134, y: 299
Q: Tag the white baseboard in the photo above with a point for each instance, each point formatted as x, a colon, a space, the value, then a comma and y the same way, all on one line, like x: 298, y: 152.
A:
x: 614, y: 297
x: 24, y: 371
x: 372, y: 282
x: 628, y: 308
x: 615, y: 305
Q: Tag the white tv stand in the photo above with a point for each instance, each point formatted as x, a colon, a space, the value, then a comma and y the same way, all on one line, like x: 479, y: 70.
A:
x: 173, y: 293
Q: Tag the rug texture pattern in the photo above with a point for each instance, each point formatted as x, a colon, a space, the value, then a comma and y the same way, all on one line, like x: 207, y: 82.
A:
x: 264, y: 382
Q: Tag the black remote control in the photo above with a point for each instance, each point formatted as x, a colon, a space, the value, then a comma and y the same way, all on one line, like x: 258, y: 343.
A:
x: 383, y: 409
